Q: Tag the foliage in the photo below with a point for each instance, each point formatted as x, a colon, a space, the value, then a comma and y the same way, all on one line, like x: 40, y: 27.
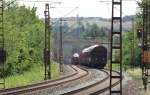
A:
x: 94, y: 31
x: 139, y: 20
x: 31, y: 76
x: 139, y: 15
x: 128, y: 49
x: 24, y: 33
x: 82, y: 28
x: 128, y: 38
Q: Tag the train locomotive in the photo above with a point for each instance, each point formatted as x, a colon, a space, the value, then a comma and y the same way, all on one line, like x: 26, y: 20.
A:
x: 94, y: 56
x: 75, y: 59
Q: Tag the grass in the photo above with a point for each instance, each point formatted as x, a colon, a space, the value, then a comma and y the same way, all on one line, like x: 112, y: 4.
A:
x: 114, y: 66
x: 136, y: 75
x: 137, y: 72
x: 148, y: 91
x: 35, y: 75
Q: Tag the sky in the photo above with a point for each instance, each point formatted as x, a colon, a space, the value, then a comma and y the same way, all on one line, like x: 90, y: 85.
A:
x: 82, y: 8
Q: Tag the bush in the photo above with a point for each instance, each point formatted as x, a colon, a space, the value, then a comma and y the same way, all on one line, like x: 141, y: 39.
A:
x: 24, y: 33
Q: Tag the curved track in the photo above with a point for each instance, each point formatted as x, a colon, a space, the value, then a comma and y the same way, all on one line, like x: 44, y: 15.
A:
x: 106, y: 87
x: 96, y: 88
x: 77, y: 74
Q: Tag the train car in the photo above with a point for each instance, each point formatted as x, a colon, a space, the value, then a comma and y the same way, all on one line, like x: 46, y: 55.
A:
x: 75, y: 58
x: 94, y: 56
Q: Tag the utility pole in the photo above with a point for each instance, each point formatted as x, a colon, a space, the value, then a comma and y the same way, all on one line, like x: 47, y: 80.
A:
x: 47, y: 51
x: 2, y: 50
x: 55, y: 48
x: 132, y: 45
x: 60, y: 48
x: 145, y: 43
x: 116, y: 47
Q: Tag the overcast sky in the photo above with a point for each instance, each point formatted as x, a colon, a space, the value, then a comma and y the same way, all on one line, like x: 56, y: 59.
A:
x: 84, y: 8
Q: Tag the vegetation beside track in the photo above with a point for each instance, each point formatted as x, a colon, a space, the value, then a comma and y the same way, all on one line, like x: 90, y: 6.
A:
x: 35, y: 75
x: 136, y: 75
x: 24, y: 34
x: 136, y: 72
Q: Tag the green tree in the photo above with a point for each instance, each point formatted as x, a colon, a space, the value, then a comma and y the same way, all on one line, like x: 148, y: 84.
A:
x: 24, y: 34
x: 94, y: 31
x: 128, y: 46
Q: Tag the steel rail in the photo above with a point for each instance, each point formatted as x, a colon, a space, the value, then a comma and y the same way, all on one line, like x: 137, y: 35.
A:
x: 106, y: 88
x: 42, y: 85
x: 74, y: 92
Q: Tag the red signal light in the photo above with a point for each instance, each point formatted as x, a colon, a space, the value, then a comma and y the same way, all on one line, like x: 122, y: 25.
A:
x: 139, y: 32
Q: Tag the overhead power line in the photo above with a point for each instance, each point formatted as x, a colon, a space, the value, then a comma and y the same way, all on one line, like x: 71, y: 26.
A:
x: 71, y: 11
x: 116, y: 1
x: 36, y: 1
x: 13, y: 1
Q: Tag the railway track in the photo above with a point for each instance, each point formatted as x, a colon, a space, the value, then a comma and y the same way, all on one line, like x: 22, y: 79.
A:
x: 77, y: 74
x: 96, y: 88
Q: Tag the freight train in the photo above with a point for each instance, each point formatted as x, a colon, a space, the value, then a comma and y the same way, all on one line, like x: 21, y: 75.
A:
x: 94, y: 56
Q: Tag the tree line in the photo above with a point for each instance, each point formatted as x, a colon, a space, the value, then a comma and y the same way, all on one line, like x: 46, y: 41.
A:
x: 24, y: 35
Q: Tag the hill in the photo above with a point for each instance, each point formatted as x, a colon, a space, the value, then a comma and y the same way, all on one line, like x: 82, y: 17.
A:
x: 78, y: 26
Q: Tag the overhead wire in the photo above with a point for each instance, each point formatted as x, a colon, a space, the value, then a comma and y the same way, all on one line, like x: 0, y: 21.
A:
x: 116, y: 1
x: 35, y: 1
x: 65, y: 15
x: 75, y: 8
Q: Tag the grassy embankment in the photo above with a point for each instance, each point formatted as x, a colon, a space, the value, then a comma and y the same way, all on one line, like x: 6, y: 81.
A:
x: 35, y: 75
x: 137, y: 74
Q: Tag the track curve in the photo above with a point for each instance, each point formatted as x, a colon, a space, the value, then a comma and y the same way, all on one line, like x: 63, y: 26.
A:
x: 96, y: 88
x: 78, y: 73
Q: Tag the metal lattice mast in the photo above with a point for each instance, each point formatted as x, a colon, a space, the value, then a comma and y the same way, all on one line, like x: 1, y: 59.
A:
x: 55, y: 47
x: 47, y: 51
x: 132, y: 44
x: 116, y: 33
x: 60, y: 48
x: 146, y: 43
x: 2, y: 51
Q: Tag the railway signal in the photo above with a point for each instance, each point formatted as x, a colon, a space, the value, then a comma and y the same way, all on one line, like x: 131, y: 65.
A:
x: 47, y: 51
x: 139, y: 32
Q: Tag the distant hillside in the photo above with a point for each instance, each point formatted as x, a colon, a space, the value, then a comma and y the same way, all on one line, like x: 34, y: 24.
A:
x: 75, y: 26
x: 128, y: 18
